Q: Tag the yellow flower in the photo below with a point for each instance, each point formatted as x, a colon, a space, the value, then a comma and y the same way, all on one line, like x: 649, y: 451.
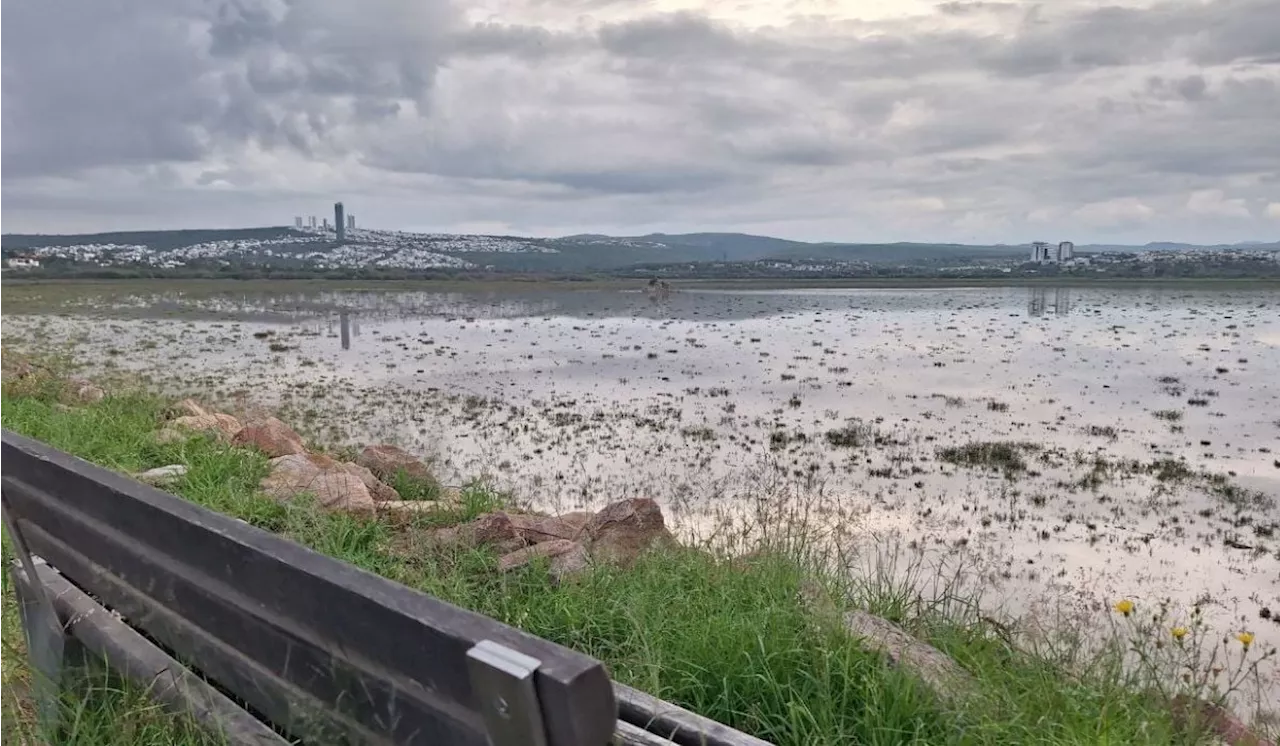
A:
x: 1124, y: 606
x: 1245, y: 638
x: 1179, y: 633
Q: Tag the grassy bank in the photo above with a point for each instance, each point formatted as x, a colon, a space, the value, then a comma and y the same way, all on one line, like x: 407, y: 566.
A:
x: 735, y: 641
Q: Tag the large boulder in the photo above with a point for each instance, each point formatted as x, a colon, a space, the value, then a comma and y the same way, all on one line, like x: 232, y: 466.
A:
x: 298, y: 473
x: 624, y: 530
x: 381, y: 491
x: 223, y: 426
x: 935, y: 668
x: 272, y: 437
x: 387, y: 460
x: 536, y: 529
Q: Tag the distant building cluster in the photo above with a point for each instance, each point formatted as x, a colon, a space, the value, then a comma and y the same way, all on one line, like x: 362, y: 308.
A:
x: 1045, y: 253
x: 342, y: 223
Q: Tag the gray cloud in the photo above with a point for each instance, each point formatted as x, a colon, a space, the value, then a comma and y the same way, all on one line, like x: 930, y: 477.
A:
x: 982, y: 121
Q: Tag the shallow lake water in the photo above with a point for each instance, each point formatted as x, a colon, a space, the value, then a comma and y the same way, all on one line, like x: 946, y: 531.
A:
x: 1142, y: 424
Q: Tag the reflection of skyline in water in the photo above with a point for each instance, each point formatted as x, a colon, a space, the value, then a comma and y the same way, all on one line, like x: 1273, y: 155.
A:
x: 1038, y: 302
x: 535, y: 300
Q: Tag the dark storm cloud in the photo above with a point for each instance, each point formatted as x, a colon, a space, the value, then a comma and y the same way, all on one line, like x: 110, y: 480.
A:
x: 101, y: 84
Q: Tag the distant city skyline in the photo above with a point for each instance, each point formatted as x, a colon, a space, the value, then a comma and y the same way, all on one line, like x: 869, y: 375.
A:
x: 856, y: 120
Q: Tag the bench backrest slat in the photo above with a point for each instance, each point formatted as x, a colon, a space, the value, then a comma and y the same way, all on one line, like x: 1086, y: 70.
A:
x: 295, y: 634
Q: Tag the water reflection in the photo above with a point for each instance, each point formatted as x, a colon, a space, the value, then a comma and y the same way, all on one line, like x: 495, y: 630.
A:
x: 1038, y: 302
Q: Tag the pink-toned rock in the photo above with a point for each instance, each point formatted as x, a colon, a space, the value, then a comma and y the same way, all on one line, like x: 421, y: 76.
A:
x: 224, y: 426
x: 935, y: 668
x: 1215, y: 719
x: 296, y: 474
x: 385, y: 461
x: 491, y: 529
x: 569, y: 564
x: 192, y: 408
x: 536, y: 529
x: 272, y: 437
x: 624, y: 530
x: 407, y: 510
x: 379, y: 489
x: 522, y: 557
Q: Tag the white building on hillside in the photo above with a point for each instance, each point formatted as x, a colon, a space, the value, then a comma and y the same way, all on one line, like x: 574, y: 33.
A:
x: 1044, y: 253
x: 23, y: 262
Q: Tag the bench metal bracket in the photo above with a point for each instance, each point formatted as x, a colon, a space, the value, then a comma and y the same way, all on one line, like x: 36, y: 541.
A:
x: 46, y: 637
x: 502, y: 680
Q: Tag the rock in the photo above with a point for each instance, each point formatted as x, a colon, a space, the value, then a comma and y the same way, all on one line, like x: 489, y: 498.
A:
x: 536, y: 529
x: 570, y: 564
x: 224, y: 426
x: 380, y: 490
x: 89, y: 393
x: 552, y: 548
x: 272, y: 437
x: 17, y: 368
x: 624, y: 530
x: 491, y: 530
x: 192, y: 408
x: 410, y: 508
x: 1215, y: 719
x: 932, y: 666
x: 297, y: 473
x: 386, y: 461
x: 163, y: 475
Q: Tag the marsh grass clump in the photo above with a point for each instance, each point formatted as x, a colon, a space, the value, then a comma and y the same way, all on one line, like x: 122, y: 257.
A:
x: 1006, y: 456
x: 1168, y: 415
x: 1170, y: 470
x: 703, y: 434
x: 1238, y: 497
x: 852, y: 435
x: 1103, y: 431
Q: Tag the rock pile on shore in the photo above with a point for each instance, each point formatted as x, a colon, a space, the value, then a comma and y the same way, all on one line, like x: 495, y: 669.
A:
x: 618, y: 534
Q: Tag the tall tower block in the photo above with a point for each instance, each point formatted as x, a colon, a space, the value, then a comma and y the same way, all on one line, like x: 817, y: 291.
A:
x: 339, y: 222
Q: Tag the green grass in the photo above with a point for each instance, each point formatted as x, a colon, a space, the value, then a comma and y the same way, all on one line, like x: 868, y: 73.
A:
x: 732, y: 641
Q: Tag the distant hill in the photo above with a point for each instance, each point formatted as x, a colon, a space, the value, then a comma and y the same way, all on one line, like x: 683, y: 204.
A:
x: 286, y: 248
x: 1174, y: 246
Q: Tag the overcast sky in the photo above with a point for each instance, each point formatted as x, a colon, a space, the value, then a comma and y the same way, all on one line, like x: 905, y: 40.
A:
x: 851, y: 120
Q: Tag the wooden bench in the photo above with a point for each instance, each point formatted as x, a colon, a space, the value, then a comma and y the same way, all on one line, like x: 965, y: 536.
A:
x: 285, y: 645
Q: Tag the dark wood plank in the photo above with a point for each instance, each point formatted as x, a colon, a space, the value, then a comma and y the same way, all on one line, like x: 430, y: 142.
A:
x: 631, y: 735
x: 676, y: 723
x: 350, y: 627
x: 108, y: 639
x: 269, y: 682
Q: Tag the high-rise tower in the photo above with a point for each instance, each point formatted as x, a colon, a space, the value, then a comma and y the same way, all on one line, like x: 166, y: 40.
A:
x: 339, y: 222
